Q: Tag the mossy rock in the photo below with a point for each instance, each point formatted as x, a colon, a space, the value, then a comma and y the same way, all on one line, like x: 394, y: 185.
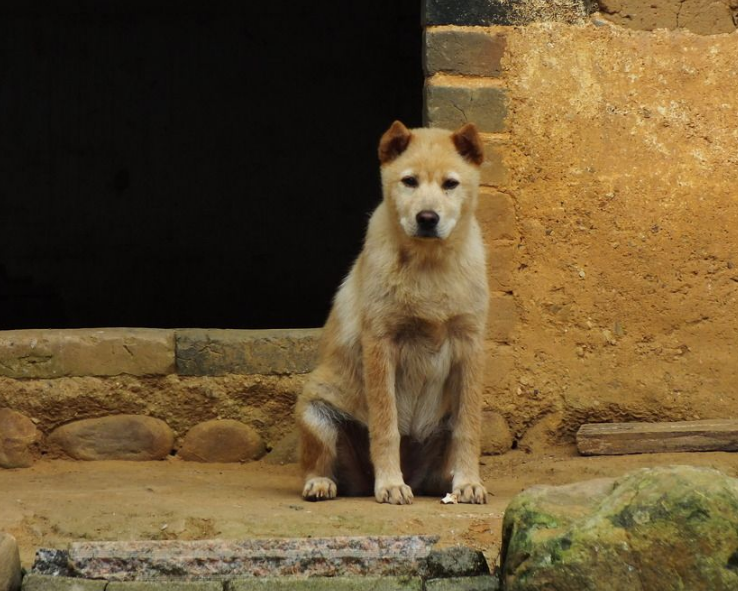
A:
x: 657, y: 529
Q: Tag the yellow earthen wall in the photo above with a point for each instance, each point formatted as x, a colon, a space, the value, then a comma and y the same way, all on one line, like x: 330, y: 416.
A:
x: 612, y: 225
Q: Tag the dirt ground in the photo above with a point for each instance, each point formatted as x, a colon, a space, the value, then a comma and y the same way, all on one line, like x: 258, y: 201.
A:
x: 58, y: 501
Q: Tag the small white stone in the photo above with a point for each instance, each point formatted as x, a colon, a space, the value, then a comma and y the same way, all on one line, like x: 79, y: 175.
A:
x: 450, y: 499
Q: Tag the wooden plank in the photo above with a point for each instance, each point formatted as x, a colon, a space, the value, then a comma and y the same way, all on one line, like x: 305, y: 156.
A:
x: 639, y: 438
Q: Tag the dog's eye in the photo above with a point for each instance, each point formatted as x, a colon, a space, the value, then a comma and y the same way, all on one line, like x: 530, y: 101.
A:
x: 410, y: 181
x: 449, y: 184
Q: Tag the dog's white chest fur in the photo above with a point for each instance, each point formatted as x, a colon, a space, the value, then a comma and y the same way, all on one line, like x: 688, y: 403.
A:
x: 419, y: 388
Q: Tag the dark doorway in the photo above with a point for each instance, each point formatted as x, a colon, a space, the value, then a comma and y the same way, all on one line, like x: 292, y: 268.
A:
x: 169, y: 167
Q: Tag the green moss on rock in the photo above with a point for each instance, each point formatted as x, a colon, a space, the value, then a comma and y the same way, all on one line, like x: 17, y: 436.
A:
x: 671, y: 528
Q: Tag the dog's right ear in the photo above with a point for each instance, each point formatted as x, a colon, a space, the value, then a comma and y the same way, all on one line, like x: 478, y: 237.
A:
x: 394, y: 142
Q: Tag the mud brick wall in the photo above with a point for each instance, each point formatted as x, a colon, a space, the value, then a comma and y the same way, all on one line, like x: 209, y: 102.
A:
x: 609, y: 203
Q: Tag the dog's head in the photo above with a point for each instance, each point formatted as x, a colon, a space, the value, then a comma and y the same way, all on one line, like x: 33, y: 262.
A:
x: 430, y: 177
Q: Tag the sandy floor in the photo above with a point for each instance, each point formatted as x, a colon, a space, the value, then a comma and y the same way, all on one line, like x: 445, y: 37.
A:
x: 59, y: 501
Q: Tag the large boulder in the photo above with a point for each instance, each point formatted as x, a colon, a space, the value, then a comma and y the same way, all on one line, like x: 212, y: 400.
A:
x: 655, y: 529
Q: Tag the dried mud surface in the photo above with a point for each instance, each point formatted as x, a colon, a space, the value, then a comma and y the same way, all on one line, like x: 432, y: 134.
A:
x: 624, y: 169
x: 58, y: 501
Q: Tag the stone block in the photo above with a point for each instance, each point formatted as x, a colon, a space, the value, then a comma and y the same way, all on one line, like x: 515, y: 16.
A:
x: 496, y: 215
x: 501, y: 266
x: 395, y: 556
x: 503, y: 317
x: 456, y: 561
x: 18, y: 434
x: 470, y: 52
x: 328, y: 584
x: 450, y: 102
x: 165, y: 586
x: 10, y: 567
x: 205, y: 352
x: 544, y: 435
x: 86, y: 352
x: 483, y: 583
x: 223, y: 440
x: 51, y: 561
x: 504, y: 12
x: 493, y: 172
x: 285, y: 451
x: 499, y: 369
x: 52, y: 583
x: 117, y: 437
x: 496, y: 437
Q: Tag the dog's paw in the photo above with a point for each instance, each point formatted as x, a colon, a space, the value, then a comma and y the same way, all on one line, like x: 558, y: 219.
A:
x: 319, y: 489
x: 394, y: 494
x: 471, y: 492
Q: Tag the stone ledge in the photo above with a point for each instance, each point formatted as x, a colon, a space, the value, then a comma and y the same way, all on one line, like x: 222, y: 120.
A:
x: 47, y: 354
x: 83, y: 352
x: 215, y: 352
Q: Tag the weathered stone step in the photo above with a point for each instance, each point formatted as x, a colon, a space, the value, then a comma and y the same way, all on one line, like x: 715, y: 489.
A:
x: 125, y: 561
x: 341, y: 563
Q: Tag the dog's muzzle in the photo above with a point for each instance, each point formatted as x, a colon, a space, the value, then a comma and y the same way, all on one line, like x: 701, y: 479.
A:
x: 427, y: 221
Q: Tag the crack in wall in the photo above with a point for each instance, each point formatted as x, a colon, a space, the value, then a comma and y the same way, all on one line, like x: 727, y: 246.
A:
x: 679, y: 12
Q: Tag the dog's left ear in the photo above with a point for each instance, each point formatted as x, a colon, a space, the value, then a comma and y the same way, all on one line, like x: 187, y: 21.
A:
x: 467, y: 142
x: 394, y: 142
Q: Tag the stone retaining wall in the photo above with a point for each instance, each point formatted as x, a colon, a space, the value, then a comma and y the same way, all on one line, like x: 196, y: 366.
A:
x: 145, y: 394
x: 142, y: 394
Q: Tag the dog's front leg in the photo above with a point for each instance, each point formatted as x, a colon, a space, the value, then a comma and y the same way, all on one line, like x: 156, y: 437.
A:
x: 380, y: 362
x: 465, y: 383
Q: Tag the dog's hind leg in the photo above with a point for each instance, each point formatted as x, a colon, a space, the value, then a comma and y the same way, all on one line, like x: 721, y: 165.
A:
x: 318, y: 426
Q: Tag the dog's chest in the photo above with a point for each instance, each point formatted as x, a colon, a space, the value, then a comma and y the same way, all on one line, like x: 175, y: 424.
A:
x: 425, y: 354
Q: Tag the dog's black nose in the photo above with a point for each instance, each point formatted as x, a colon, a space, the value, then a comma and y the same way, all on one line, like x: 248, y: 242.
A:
x: 427, y: 219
